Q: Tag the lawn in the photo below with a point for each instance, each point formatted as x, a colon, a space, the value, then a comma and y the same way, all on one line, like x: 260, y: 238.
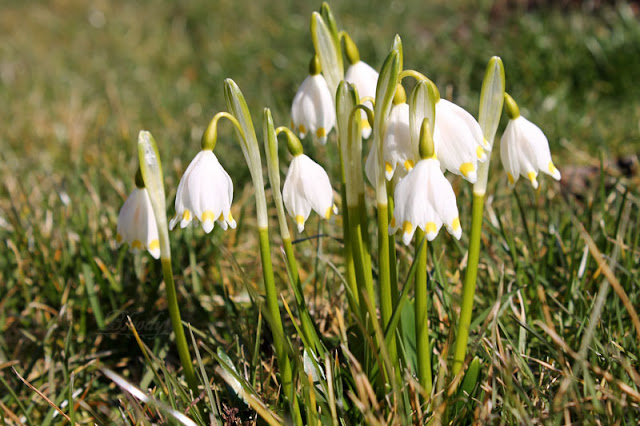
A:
x: 554, y: 327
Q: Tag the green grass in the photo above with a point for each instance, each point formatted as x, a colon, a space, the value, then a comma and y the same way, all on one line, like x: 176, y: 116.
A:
x: 77, y: 84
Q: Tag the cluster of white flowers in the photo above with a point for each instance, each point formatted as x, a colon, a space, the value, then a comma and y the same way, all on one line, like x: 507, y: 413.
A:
x: 423, y: 196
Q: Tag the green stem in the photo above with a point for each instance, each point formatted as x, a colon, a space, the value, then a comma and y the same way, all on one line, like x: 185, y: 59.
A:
x: 422, y: 317
x: 364, y: 277
x: 393, y: 271
x: 178, y: 329
x: 469, y: 288
x: 274, y: 314
x: 384, y: 278
x: 308, y: 328
x: 348, y: 246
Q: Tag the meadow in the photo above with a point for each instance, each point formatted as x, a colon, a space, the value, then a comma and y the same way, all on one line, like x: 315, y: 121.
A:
x: 554, y: 327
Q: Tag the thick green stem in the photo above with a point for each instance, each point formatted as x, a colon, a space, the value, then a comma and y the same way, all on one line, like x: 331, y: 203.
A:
x: 348, y: 245
x: 178, y: 329
x: 364, y: 277
x: 274, y: 314
x: 469, y: 288
x: 384, y: 277
x: 393, y: 271
x: 308, y: 329
x: 422, y: 317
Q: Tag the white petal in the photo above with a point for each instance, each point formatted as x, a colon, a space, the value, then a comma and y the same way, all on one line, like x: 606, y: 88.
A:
x: 292, y: 195
x: 364, y: 77
x: 312, y: 109
x: 137, y: 223
x: 205, y: 191
x: 458, y: 140
x: 443, y: 200
x: 397, y: 147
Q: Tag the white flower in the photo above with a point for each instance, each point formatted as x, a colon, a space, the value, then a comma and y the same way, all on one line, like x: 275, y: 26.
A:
x: 137, y: 223
x: 425, y: 199
x: 205, y: 193
x: 458, y: 140
x: 312, y: 109
x: 396, y: 147
x: 307, y: 187
x: 365, y: 78
x: 524, y: 151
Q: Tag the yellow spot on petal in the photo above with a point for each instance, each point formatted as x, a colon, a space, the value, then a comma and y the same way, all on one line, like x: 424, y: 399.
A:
x: 302, y: 129
x: 552, y: 168
x: 531, y: 176
x: 430, y: 228
x: 327, y: 214
x: 154, y: 245
x: 479, y: 152
x: 186, y: 215
x: 321, y: 133
x: 137, y: 244
x: 221, y: 218
x: 466, y: 168
x: 118, y: 238
x: 208, y: 215
x: 485, y: 142
x: 455, y: 225
x: 408, y: 165
x: 387, y: 168
x: 393, y: 222
x: 510, y: 177
x: 230, y: 218
x: 299, y: 219
x: 365, y: 124
x: 407, y: 227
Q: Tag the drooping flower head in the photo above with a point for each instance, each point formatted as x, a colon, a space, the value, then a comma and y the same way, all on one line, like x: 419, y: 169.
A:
x: 524, y: 149
x: 306, y: 187
x: 205, y: 193
x: 459, y: 143
x: 363, y: 76
x: 424, y: 198
x: 137, y: 223
x: 312, y: 110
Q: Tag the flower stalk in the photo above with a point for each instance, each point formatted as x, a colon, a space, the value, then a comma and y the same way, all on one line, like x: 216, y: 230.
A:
x: 385, y: 92
x: 249, y: 143
x: 151, y: 171
x: 271, y: 150
x: 421, y: 315
x: 491, y: 101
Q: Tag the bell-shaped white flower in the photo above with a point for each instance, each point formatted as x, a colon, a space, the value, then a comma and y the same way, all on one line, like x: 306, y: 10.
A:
x: 524, y: 151
x: 459, y: 143
x: 313, y: 110
x: 396, y: 146
x: 365, y: 78
x: 307, y: 187
x: 205, y: 193
x: 137, y: 224
x: 425, y: 199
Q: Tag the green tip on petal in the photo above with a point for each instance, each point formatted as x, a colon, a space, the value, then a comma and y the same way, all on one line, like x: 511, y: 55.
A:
x: 511, y: 106
x: 350, y: 49
x: 139, y: 179
x: 314, y: 66
x: 400, y: 96
x: 426, y: 141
